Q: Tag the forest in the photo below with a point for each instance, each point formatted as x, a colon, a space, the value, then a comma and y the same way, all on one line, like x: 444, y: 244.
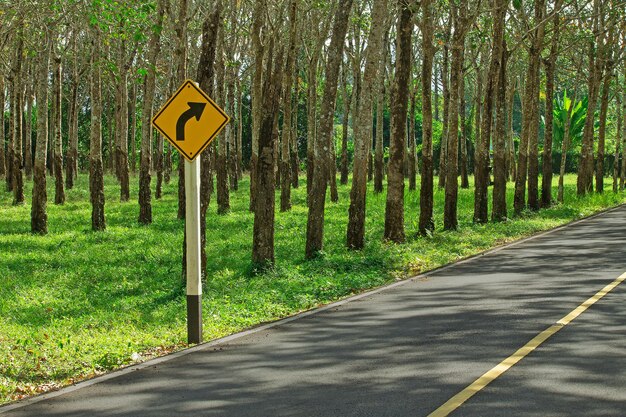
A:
x: 446, y: 119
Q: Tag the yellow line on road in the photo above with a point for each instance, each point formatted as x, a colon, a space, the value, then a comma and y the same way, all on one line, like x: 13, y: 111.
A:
x: 489, y: 376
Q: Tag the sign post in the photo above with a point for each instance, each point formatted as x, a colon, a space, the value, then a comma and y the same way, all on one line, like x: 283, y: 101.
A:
x: 194, y: 267
x: 190, y: 120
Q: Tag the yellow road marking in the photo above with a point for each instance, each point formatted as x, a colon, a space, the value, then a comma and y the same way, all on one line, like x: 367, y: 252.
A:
x: 489, y: 376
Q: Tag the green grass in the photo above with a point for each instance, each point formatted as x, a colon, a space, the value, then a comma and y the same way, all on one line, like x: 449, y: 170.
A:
x: 75, y: 303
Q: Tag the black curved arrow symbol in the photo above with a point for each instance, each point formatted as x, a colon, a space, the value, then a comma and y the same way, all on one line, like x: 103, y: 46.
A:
x: 195, y: 110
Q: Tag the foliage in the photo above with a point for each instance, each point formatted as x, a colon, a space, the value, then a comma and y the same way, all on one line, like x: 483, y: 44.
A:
x: 562, y: 105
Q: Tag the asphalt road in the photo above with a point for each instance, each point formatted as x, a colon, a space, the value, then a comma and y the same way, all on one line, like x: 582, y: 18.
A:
x: 407, y: 349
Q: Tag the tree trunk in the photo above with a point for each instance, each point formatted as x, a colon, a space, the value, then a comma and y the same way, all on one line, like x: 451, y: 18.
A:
x: 28, y: 133
x: 461, y: 22
x: 232, y: 133
x: 239, y: 129
x: 321, y: 166
x: 206, y: 79
x: 285, y: 186
x: 379, y: 163
x: 96, y: 168
x: 426, y: 220
x: 436, y: 87
x: 132, y: 109
x: 412, y: 155
x: 18, y: 180
x: 38, y: 212
x: 71, y: 155
x: 481, y: 167
x: 181, y: 75
x: 464, y: 173
x: 584, y: 182
x: 59, y: 195
x: 347, y: 99
x: 223, y: 195
x: 445, y: 78
x: 3, y: 165
x: 257, y: 91
x: 604, y: 107
x: 363, y: 128
x: 154, y: 47
x: 332, y: 173
x: 311, y: 120
x: 618, y: 144
x: 622, y: 179
x: 122, y: 126
x: 112, y: 125
x: 499, y: 212
x: 263, y: 229
x: 528, y: 152
x: 546, y: 179
x: 511, y: 163
x: 295, y: 159
x: 394, y: 210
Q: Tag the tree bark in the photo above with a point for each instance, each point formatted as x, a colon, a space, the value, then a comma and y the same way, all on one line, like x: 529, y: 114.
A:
x: 257, y: 91
x: 604, y: 107
x: 96, y: 168
x: 18, y: 180
x: 59, y: 194
x: 71, y: 155
x: 347, y: 100
x: 285, y: 186
x: 132, y: 110
x: 263, y: 229
x: 394, y: 210
x: 311, y: 136
x: 445, y: 81
x: 122, y: 126
x: 584, y: 182
x: 550, y: 64
x: 499, y: 212
x: 28, y: 133
x: 622, y: 179
x: 206, y: 79
x: 154, y: 47
x: 321, y: 165
x: 463, y: 117
x: 223, y: 194
x: 3, y: 165
x: 38, y: 212
x: 412, y: 155
x: 618, y: 144
x: 295, y: 159
x: 511, y: 163
x: 481, y: 167
x: 426, y: 220
x: 379, y: 163
x: 363, y: 128
x: 528, y: 153
x: 461, y: 22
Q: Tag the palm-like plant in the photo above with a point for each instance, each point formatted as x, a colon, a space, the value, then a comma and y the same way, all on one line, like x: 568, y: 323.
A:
x: 566, y: 109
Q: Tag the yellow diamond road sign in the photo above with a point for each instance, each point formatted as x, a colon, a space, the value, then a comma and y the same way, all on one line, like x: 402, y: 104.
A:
x: 190, y: 120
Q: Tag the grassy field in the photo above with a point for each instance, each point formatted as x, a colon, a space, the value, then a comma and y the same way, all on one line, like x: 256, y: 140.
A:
x: 76, y: 303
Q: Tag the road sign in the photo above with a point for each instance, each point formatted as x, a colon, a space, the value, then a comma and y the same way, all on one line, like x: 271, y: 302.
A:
x: 190, y: 120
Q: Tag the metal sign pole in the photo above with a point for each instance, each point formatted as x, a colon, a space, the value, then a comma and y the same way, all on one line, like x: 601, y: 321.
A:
x: 194, y: 268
